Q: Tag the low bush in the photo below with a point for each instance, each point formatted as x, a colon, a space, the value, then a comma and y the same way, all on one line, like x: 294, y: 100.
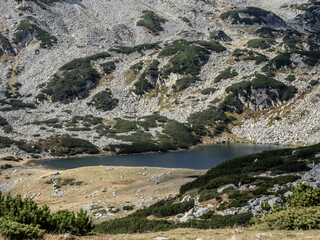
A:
x: 304, y: 196
x: 78, y: 77
x: 226, y: 74
x: 188, y: 57
x: 15, y: 230
x: 151, y: 21
x: 262, y: 43
x: 252, y: 15
x: 184, y: 83
x: 299, y: 218
x: 314, y: 82
x: 46, y: 39
x: 23, y: 219
x: 108, y: 67
x: 208, y: 91
x: 3, y: 121
x: 138, y: 48
x: 104, y: 100
x: 148, y: 79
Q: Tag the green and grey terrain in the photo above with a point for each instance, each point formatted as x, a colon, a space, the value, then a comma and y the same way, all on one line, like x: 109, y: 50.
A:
x: 89, y: 77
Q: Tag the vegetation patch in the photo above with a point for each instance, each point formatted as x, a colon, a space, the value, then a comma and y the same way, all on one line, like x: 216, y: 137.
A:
x: 188, y: 57
x: 58, y: 146
x: 104, y: 100
x: 5, y: 46
x: 262, y: 43
x: 212, y: 117
x: 208, y: 91
x: 148, y: 79
x: 246, y: 55
x: 25, y: 28
x: 226, y: 74
x: 267, y: 32
x: 275, y: 90
x: 109, y: 67
x: 184, y: 83
x: 23, y: 219
x: 151, y: 22
x: 77, y: 78
x: 14, y: 105
x: 251, y: 16
x: 138, y: 48
x: 242, y: 169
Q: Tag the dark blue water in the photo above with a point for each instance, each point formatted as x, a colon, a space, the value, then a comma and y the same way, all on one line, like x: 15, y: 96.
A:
x: 199, y: 158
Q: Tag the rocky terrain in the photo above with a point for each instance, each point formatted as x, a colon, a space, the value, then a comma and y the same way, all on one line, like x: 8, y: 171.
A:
x: 107, y: 72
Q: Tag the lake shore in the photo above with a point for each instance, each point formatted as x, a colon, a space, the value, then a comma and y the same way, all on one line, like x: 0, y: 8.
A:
x: 96, y: 189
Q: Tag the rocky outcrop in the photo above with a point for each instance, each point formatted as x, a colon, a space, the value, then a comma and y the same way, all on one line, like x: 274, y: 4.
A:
x: 310, y: 19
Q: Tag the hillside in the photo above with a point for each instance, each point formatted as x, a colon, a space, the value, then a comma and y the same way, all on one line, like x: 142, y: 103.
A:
x: 89, y: 77
x: 273, y: 190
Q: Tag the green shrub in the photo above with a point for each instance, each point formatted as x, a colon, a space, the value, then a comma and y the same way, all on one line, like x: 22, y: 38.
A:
x: 19, y: 231
x: 208, y: 194
x: 74, y: 146
x: 188, y: 62
x: 133, y: 225
x: 77, y: 79
x: 262, y: 43
x: 180, y: 134
x: 304, y: 196
x: 314, y: 82
x: 275, y: 90
x: 143, y: 85
x: 25, y: 217
x: 184, y: 83
x: 151, y: 22
x: 104, y: 100
x: 186, y: 20
x: 3, y: 121
x: 208, y: 91
x: 226, y: 74
x: 252, y: 15
x: 123, y: 126
x: 17, y: 105
x: 48, y: 121
x: 188, y: 57
x: 291, y: 78
x: 10, y: 158
x: 108, y: 67
x: 138, y: 48
x: 281, y: 60
x: 300, y: 218
x: 46, y: 39
x: 7, y: 129
x: 246, y: 55
x: 4, y: 44
x: 5, y: 142
x: 267, y: 32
